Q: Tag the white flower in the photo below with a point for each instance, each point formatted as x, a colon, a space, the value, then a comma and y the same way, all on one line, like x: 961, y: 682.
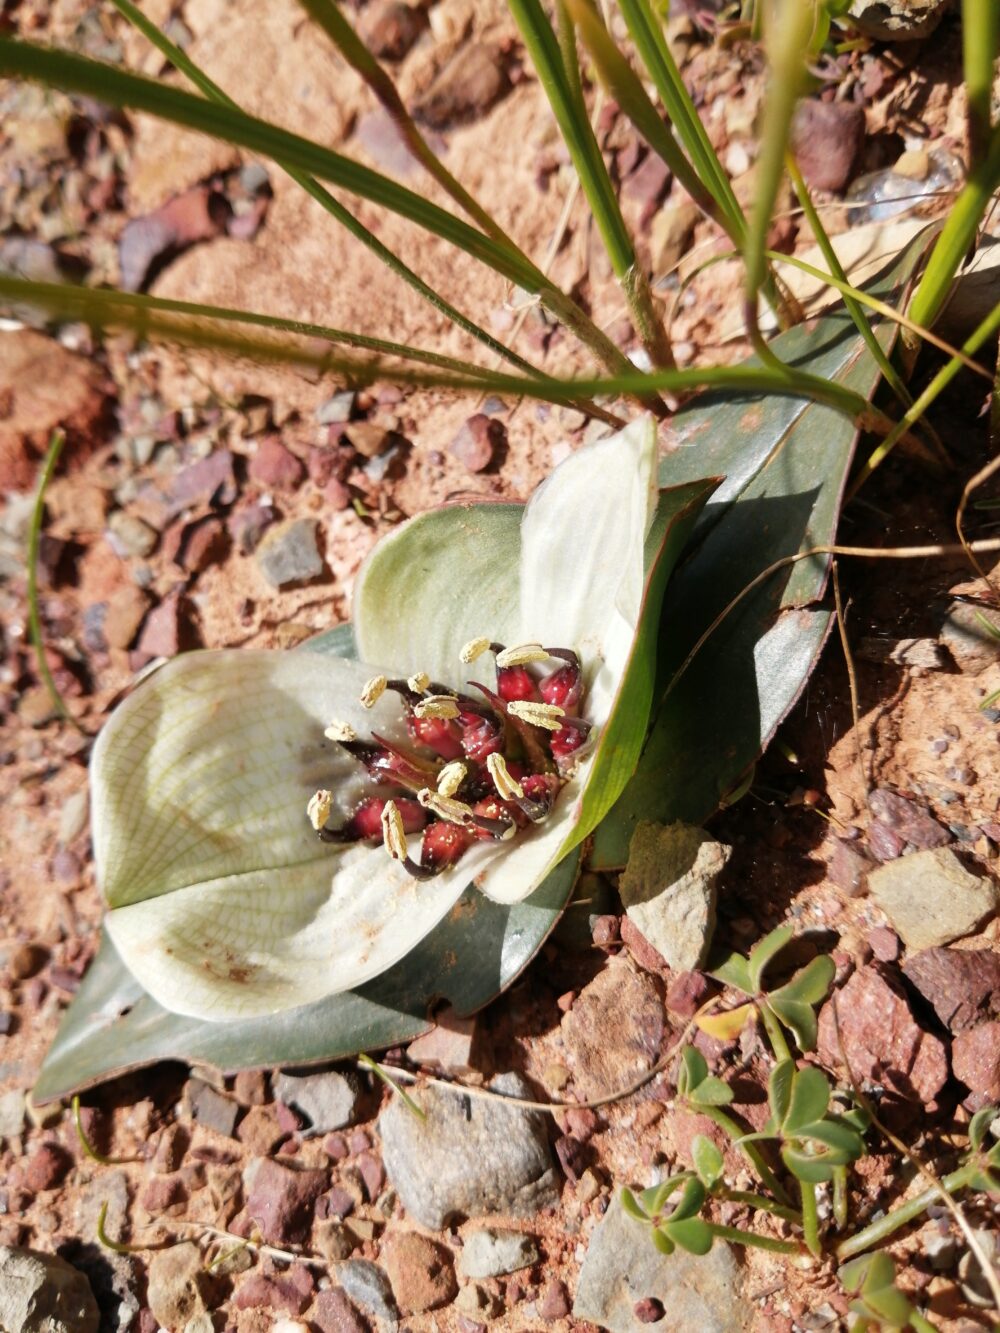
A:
x: 222, y: 901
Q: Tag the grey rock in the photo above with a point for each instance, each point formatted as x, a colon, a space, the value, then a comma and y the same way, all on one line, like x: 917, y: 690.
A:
x: 109, y: 1188
x: 930, y: 898
x: 337, y: 409
x: 11, y: 1113
x: 114, y: 1279
x: 488, y: 1253
x: 177, y: 1285
x: 369, y: 1287
x: 967, y: 638
x: 129, y: 535
x: 898, y: 20
x: 621, y: 1268
x: 41, y: 1293
x: 469, y: 1156
x: 668, y: 889
x: 328, y: 1101
x: 211, y: 1109
x: 288, y: 553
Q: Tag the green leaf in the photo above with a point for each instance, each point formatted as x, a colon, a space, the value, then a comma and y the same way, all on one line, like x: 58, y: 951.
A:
x: 763, y: 952
x: 707, y: 1160
x: 808, y: 1101
x: 808, y: 1167
x: 785, y: 461
x: 693, y: 1071
x: 842, y: 1139
x: 691, y: 1234
x: 873, y: 1278
x: 779, y: 1091
x: 800, y: 1019
x: 662, y: 1241
x: 735, y: 971
x: 631, y: 1206
x: 810, y: 984
x: 711, y: 1092
x: 979, y: 1126
x: 691, y: 1200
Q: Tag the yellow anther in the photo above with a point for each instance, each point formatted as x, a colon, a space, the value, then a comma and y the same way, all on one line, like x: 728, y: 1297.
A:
x: 393, y: 832
x: 521, y: 655
x: 319, y: 807
x: 445, y: 807
x: 437, y: 705
x: 340, y: 731
x: 506, y: 786
x: 548, y: 716
x: 419, y: 682
x: 473, y: 649
x: 372, y: 691
x: 451, y: 778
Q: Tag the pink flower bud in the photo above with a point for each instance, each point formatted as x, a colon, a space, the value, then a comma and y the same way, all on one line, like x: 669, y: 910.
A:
x: 439, y: 734
x: 443, y: 844
x: 515, y: 683
x: 564, y: 687
x: 366, y: 822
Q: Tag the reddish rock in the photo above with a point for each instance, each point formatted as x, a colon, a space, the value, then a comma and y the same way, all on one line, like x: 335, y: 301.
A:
x: 465, y: 88
x: 648, y: 185
x: 826, y: 141
x: 204, y: 543
x: 337, y: 495
x: 45, y: 1168
x: 605, y: 930
x: 554, y: 1302
x: 640, y: 948
x: 336, y: 1203
x: 389, y: 28
x: 248, y: 525
x: 884, y: 944
x: 478, y: 442
x: 448, y: 1046
x: 209, y: 481
x: 275, y: 467
x: 281, y: 1201
x: 962, y: 985
x: 373, y: 1175
x: 572, y: 1156
x: 884, y: 1042
x: 687, y: 993
x: 649, y: 1311
x: 848, y: 867
x: 975, y: 1058
x: 581, y: 1122
x: 250, y: 1087
x: 162, y: 1193
x: 166, y: 629
x: 334, y: 1313
x: 613, y: 1032
x: 335, y: 1146
x: 884, y: 843
x: 907, y: 820
x: 146, y: 242
x: 420, y: 1271
x: 260, y: 1131
x: 289, y: 1291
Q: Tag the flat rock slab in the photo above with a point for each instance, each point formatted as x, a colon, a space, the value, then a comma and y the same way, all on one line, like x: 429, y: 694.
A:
x: 930, y: 898
x: 668, y: 889
x: 622, y: 1268
x: 469, y: 1157
x: 41, y: 1293
x: 328, y: 1101
x: 289, y: 553
x: 489, y: 1253
x: 613, y: 1032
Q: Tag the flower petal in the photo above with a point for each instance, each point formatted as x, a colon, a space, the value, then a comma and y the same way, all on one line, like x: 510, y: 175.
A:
x: 436, y: 582
x: 224, y: 903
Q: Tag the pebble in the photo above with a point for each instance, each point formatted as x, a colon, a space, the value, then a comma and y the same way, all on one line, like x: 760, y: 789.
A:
x: 171, y: 1146
x: 670, y: 234
x: 478, y: 442
x: 898, y: 20
x: 649, y: 1311
x: 885, y: 1042
x: 130, y: 536
x: 621, y: 1268
x: 884, y: 944
x: 469, y: 1157
x: 275, y: 467
x: 47, y: 1167
x: 333, y: 1312
x: 573, y: 1157
x: 930, y: 898
x: 389, y: 28
x: 196, y: 215
x: 164, y: 628
x: 962, y: 985
x: 336, y: 409
x: 614, y: 1030
x: 971, y: 646
x: 162, y: 1193
x: 250, y: 1087
x: 367, y: 1285
x: 41, y: 1293
x: 290, y: 1291
x: 288, y: 553
x: 848, y: 868
x: 420, y: 1271
x: 975, y: 1060
x: 178, y: 1285
x: 209, y: 481
x: 907, y: 819
x: 826, y: 139
x: 448, y: 1046
x: 668, y: 889
x: 210, y: 1108
x: 490, y: 1253
x: 73, y: 817
x: 465, y: 88
x: 281, y: 1200
x: 328, y: 1100
x: 248, y: 525
x: 555, y: 1301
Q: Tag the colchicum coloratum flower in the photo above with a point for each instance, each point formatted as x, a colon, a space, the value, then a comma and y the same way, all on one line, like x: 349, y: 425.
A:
x: 271, y: 828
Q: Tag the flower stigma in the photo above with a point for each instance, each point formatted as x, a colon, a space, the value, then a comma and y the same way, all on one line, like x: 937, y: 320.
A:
x: 508, y: 752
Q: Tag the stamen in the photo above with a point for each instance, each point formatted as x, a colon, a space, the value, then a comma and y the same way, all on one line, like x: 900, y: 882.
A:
x: 451, y: 778
x: 473, y: 649
x: 506, y: 785
x: 393, y: 832
x: 319, y: 807
x: 549, y: 716
x: 372, y: 691
x: 445, y: 807
x: 340, y: 731
x: 519, y: 656
x: 418, y: 682
x: 437, y: 705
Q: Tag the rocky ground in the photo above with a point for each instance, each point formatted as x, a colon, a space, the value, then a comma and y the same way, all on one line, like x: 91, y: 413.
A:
x: 215, y: 503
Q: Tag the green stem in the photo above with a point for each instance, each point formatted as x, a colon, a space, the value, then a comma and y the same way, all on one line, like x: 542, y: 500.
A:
x: 34, y: 541
x: 810, y: 1218
x: 740, y: 1237
x: 775, y: 1035
x: 921, y: 1325
x: 980, y: 39
x: 880, y: 1230
x: 749, y: 1150
x: 764, y: 1205
x: 840, y: 1196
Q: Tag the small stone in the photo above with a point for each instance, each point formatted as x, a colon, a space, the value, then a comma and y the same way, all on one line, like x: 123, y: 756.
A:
x: 204, y: 543
x: 826, y: 140
x: 572, y: 1157
x: 46, y: 1168
x: 367, y: 1286
x: 289, y: 553
x: 41, y: 1293
x: 420, y: 1271
x: 27, y: 960
x: 907, y: 819
x: 290, y: 1291
x: 640, y: 948
x: 605, y: 931
x: 468, y: 1157
x: 687, y: 993
x: 649, y: 1311
x: 211, y: 1108
x: 373, y: 1174
x: 11, y: 1113
x: 336, y: 495
x: 328, y: 1101
x: 975, y: 1059
x: 209, y: 481
x: 614, y: 1030
x: 178, y: 1285
x: 477, y: 443
x: 930, y: 898
x: 336, y: 1203
x: 389, y: 28
x: 968, y: 641
x: 248, y: 525
x: 162, y: 1193
x: 884, y: 944
x: 171, y: 1146
x: 465, y: 88
x: 147, y: 242
x: 848, y: 868
x: 250, y: 1087
x: 338, y: 408
x: 448, y: 1046
x: 275, y: 467
x: 555, y: 1302
x: 488, y: 1253
x: 281, y: 1201
x: 130, y: 536
x: 369, y: 439
x: 962, y: 985
x: 165, y: 627
x: 941, y: 1250
x: 670, y: 236
x: 668, y: 889
x: 126, y: 610
x: 333, y: 1240
x: 871, y: 1020
x: 898, y: 20
x: 333, y: 1312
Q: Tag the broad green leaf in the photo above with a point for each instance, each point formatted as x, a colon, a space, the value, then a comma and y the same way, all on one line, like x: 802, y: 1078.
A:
x: 844, y: 1142
x: 785, y: 461
x: 811, y: 1169
x: 809, y: 1099
x: 764, y: 951
x: 979, y: 1126
x: 735, y: 971
x: 691, y: 1234
x: 800, y: 1019
x: 707, y: 1160
x: 693, y: 1071
x: 810, y: 984
x: 711, y: 1092
x: 690, y: 1202
x: 662, y: 1242
x: 779, y: 1091
x: 631, y: 1206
